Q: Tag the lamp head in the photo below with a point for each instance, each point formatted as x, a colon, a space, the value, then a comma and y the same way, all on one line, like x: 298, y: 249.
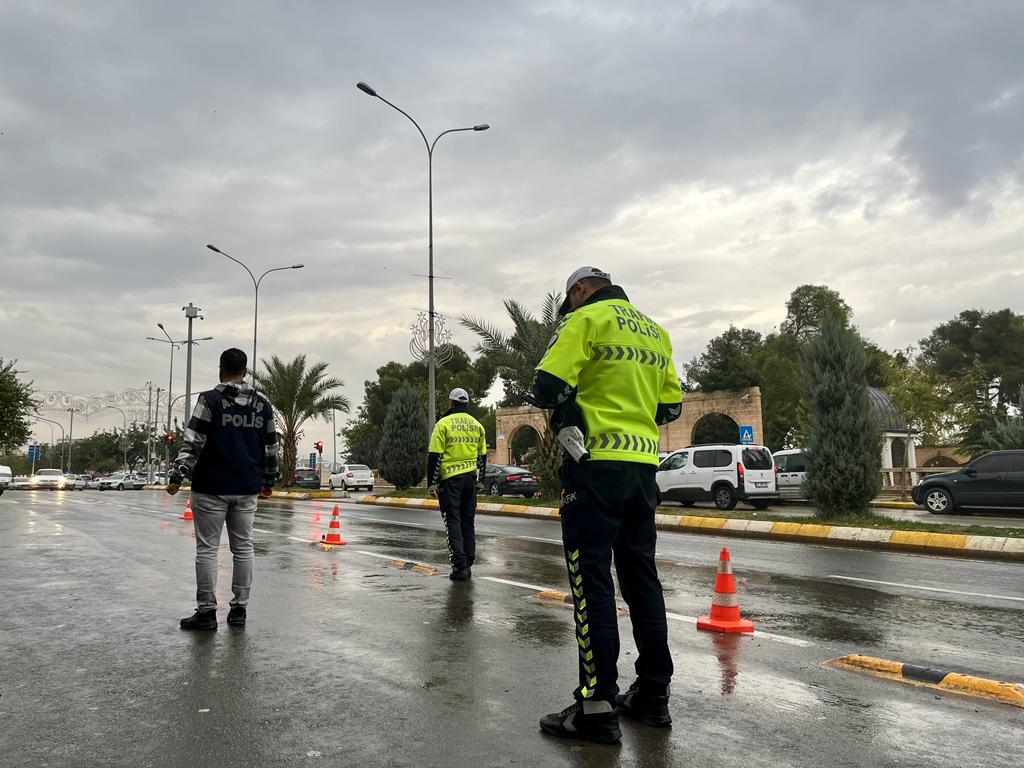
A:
x: 365, y: 88
x: 481, y: 127
x: 298, y: 266
x: 214, y: 248
x: 160, y: 326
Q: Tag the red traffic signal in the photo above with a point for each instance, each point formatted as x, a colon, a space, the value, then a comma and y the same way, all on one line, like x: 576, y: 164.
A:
x: 319, y: 445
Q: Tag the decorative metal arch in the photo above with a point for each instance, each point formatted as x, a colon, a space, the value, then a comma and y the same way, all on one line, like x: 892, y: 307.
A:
x: 90, y: 405
x: 419, y: 346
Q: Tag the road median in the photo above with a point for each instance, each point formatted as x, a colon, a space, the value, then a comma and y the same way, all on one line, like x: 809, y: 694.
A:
x: 919, y: 541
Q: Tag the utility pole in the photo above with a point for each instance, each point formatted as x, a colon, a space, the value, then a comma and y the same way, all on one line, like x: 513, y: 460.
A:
x: 71, y: 432
x: 149, y: 436
x: 191, y: 312
x: 334, y: 432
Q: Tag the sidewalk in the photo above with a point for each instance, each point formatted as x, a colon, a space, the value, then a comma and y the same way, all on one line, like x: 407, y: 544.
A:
x: 959, y: 545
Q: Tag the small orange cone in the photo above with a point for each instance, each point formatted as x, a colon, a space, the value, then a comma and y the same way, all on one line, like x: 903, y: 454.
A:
x: 725, y: 606
x: 187, y: 514
x: 333, y: 535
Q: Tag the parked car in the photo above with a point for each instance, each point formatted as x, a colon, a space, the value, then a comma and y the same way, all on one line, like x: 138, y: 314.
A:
x: 792, y: 466
x: 6, y: 477
x: 94, y: 484
x: 502, y: 479
x: 351, y: 476
x: 722, y: 473
x: 49, y: 479
x: 82, y: 482
x: 21, y: 483
x: 307, y: 478
x: 122, y: 481
x: 992, y: 481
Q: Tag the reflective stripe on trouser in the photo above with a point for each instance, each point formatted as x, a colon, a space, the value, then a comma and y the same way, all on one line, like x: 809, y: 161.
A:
x: 210, y: 513
x: 609, y: 507
x: 457, y: 498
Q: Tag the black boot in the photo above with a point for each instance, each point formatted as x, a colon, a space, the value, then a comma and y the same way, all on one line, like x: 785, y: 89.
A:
x: 201, y: 620
x: 236, y: 616
x: 460, y: 574
x: 647, y: 706
x: 599, y: 725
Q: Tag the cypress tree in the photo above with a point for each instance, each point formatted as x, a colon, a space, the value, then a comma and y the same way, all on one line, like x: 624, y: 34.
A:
x: 844, y: 442
x: 403, y: 446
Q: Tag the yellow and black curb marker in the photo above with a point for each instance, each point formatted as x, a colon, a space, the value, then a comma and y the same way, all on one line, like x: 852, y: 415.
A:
x: 1007, y: 693
x: 564, y: 599
x: 956, y: 544
x: 408, y: 565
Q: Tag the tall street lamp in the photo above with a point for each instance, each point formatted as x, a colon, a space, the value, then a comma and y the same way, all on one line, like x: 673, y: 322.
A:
x: 256, y: 298
x: 71, y: 433
x: 431, y: 362
x: 52, y: 423
x: 124, y: 437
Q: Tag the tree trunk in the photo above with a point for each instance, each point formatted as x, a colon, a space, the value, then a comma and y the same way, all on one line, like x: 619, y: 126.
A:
x: 289, y: 457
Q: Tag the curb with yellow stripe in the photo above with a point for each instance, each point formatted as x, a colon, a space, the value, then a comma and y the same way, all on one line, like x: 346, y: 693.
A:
x: 987, y: 547
x: 1008, y: 693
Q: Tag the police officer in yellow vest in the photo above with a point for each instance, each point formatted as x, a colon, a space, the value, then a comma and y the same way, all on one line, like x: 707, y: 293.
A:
x: 457, y: 459
x: 609, y: 372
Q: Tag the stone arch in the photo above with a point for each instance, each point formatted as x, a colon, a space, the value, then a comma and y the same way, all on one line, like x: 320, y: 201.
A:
x: 715, y: 427
x: 518, y: 447
x: 743, y: 406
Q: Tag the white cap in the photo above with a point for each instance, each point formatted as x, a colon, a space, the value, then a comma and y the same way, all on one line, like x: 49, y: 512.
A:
x: 580, y: 274
x: 459, y: 395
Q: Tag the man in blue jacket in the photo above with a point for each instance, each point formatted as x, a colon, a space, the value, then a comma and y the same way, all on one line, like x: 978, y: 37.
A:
x: 230, y: 452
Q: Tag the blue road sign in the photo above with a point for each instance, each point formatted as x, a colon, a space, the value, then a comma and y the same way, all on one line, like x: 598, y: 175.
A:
x: 312, y: 460
x: 35, y: 451
x: 746, y: 434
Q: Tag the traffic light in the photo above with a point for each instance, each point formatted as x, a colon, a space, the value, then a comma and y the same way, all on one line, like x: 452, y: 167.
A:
x: 319, y: 445
x: 169, y: 439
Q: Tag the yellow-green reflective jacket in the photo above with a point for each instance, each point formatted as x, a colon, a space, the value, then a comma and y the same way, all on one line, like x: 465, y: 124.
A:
x: 620, y: 363
x: 461, y: 440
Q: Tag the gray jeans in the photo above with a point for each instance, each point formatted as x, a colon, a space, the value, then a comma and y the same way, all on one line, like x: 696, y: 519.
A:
x: 209, y: 513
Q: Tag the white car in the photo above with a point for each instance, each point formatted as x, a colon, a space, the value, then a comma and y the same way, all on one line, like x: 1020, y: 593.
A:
x: 94, y: 484
x: 50, y: 479
x: 722, y: 473
x: 21, y: 482
x: 6, y: 477
x: 351, y: 476
x: 121, y: 481
x: 792, y: 464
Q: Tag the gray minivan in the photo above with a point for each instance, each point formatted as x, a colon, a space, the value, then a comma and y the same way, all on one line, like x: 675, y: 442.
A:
x: 792, y: 464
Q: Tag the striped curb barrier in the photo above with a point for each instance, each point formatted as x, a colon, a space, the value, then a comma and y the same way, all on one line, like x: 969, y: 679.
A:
x: 957, y: 544
x: 983, y: 687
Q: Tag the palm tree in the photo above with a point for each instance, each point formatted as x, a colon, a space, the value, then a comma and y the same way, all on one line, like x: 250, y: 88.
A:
x: 298, y: 394
x: 517, y: 354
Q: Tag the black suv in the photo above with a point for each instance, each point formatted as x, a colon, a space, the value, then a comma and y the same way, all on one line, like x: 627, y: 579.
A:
x: 995, y: 480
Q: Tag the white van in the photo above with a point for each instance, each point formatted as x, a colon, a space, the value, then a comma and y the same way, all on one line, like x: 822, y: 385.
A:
x: 6, y: 477
x: 792, y: 464
x: 722, y: 473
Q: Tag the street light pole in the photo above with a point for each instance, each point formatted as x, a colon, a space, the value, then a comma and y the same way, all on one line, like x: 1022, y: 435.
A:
x: 60, y: 426
x: 124, y: 439
x: 71, y: 434
x: 431, y: 360
x: 256, y: 298
x: 149, y: 436
x: 191, y: 312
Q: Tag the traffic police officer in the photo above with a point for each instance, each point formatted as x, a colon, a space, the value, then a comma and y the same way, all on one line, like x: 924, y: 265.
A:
x: 457, y: 458
x: 609, y: 370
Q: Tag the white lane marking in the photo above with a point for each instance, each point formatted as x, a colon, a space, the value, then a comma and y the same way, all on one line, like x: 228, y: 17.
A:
x: 757, y: 633
x: 925, y: 589
x: 394, y: 557
x: 391, y: 522
x: 278, y: 533
x: 496, y: 580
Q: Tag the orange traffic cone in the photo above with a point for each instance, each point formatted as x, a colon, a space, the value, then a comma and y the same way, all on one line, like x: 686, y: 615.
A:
x: 725, y: 606
x: 333, y: 535
x: 187, y: 514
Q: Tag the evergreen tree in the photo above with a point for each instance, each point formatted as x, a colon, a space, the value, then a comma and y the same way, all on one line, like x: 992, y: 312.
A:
x: 16, y: 404
x: 843, y: 445
x: 403, y: 445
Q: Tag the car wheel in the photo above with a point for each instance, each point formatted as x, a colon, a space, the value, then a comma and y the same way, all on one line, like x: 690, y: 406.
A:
x: 120, y: 486
x: 760, y: 504
x: 725, y: 497
x: 938, y: 501
x: 330, y: 483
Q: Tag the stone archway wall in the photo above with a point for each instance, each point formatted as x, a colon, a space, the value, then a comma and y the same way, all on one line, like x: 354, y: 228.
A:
x: 742, y: 405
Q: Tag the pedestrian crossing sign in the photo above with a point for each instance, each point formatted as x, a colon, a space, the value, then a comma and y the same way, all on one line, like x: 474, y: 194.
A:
x: 746, y: 434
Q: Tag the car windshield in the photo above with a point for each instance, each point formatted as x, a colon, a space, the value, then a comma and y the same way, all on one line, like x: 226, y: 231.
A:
x: 358, y: 468
x: 514, y: 470
x: 305, y: 472
x: 50, y: 473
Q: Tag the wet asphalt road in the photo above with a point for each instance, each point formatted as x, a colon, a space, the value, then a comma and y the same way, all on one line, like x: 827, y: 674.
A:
x: 350, y: 660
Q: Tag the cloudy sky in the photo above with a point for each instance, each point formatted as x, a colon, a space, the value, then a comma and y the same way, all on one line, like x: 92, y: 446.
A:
x: 711, y: 154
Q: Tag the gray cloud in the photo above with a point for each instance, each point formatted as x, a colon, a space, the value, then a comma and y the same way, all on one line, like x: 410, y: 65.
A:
x: 713, y: 154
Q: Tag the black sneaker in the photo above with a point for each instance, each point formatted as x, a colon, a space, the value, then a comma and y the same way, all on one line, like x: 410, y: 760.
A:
x: 201, y: 620
x: 460, y: 574
x: 643, y: 706
x: 236, y: 616
x: 600, y: 726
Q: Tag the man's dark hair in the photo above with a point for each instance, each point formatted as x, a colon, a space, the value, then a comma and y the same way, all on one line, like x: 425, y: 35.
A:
x: 233, y: 361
